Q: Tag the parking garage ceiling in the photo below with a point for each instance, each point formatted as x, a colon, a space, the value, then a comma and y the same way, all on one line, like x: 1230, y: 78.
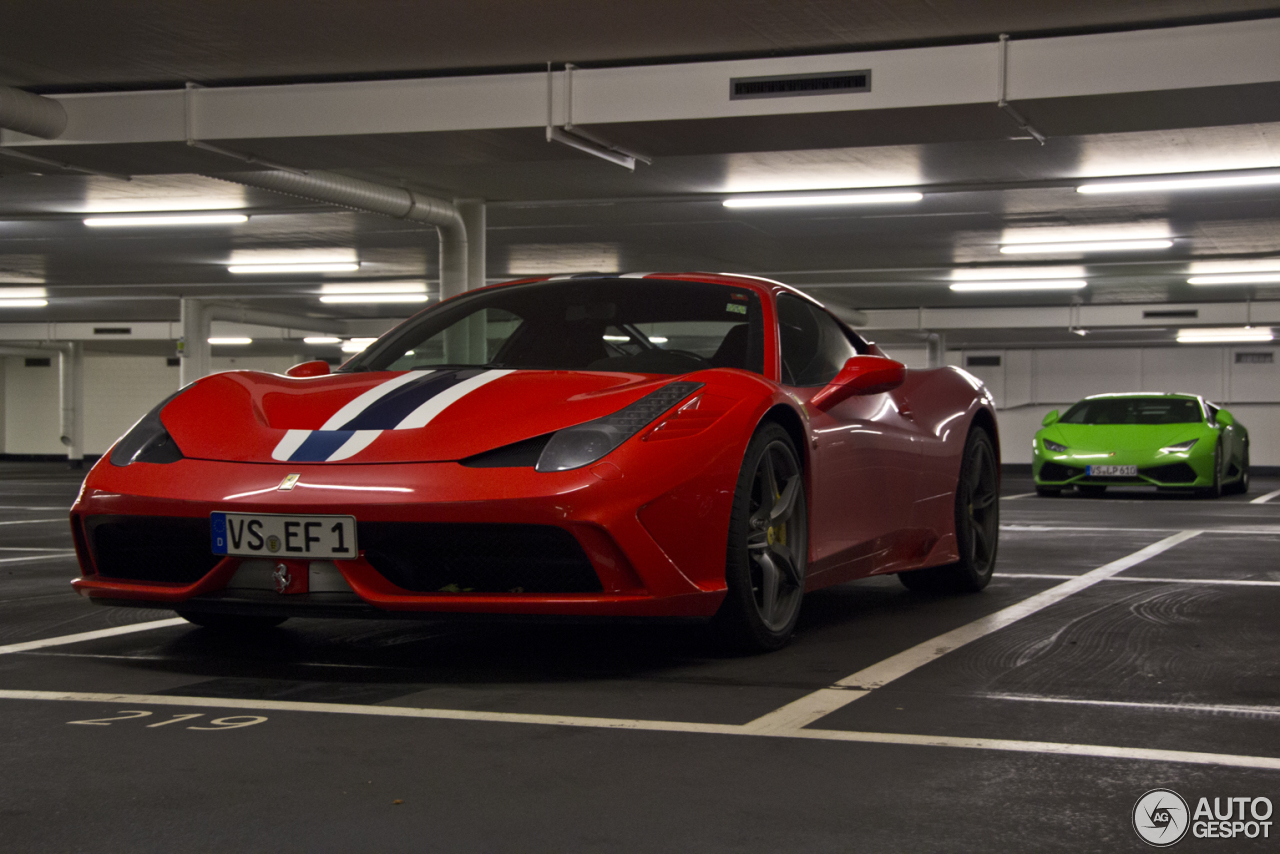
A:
x: 553, y: 209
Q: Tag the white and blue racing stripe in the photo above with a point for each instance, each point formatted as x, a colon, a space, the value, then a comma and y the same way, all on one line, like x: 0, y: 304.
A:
x: 407, y: 402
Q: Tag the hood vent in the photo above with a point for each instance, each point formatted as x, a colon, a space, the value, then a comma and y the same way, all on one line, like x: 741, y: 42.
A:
x: 790, y: 85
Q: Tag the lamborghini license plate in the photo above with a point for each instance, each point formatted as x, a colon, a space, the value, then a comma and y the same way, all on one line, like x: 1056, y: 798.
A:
x: 274, y: 535
x: 1112, y: 471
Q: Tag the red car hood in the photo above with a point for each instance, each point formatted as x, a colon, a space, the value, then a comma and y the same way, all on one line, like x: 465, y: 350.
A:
x: 414, y: 416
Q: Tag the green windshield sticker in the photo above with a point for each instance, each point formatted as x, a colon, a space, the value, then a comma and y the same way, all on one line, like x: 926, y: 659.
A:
x: 735, y: 308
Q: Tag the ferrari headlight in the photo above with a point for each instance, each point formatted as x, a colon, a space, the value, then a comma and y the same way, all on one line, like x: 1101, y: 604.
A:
x: 1180, y: 448
x: 1053, y: 446
x: 583, y: 444
x: 147, y: 441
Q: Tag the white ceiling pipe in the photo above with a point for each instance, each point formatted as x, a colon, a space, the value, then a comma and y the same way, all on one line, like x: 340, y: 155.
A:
x: 361, y: 195
x: 31, y: 114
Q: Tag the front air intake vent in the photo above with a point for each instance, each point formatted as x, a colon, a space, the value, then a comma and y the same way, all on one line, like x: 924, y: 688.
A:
x: 790, y: 85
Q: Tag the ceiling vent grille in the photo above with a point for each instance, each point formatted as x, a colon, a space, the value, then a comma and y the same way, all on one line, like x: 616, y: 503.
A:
x: 1175, y: 314
x: 791, y: 85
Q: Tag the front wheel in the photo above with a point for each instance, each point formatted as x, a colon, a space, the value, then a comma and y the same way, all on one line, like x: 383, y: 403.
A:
x: 1215, y: 491
x: 977, y: 525
x: 768, y: 546
x: 1241, y: 486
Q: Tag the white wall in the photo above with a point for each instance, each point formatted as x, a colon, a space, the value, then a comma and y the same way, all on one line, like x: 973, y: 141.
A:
x: 1029, y: 383
x: 118, y: 390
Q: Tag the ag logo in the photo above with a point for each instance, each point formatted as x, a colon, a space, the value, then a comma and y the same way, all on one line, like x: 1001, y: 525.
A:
x: 1160, y: 817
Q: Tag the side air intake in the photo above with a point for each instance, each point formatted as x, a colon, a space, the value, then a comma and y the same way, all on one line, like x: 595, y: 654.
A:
x: 790, y: 85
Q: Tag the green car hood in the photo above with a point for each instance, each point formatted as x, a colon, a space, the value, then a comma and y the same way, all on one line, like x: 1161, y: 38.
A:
x: 1125, y: 437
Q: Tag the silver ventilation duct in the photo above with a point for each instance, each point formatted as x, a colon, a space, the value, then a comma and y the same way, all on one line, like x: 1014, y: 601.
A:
x: 357, y: 194
x: 31, y: 114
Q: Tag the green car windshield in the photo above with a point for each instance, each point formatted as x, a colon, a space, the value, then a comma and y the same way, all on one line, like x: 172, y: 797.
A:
x: 1134, y: 410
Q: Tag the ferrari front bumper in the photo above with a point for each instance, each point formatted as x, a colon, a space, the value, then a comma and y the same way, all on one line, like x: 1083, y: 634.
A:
x: 628, y: 545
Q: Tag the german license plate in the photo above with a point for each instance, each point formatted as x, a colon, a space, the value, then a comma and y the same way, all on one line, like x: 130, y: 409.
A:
x: 1112, y: 471
x: 276, y: 535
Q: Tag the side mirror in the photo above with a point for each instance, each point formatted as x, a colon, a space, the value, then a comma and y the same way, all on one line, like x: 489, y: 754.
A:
x: 1225, y: 418
x: 1051, y: 418
x: 861, y: 375
x: 318, y: 368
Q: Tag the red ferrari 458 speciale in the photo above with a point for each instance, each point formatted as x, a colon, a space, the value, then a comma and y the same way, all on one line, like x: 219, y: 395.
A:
x: 696, y: 445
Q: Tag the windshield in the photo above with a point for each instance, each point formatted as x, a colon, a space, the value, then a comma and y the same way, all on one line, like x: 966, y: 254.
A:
x: 635, y: 325
x: 1134, y: 410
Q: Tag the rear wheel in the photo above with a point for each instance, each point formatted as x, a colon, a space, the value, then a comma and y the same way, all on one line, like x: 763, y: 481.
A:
x: 768, y: 546
x: 977, y: 525
x: 1092, y: 490
x: 231, y: 622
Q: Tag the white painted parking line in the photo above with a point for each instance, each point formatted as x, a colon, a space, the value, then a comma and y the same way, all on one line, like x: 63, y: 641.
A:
x: 1198, y: 708
x: 35, y: 521
x: 1015, y: 497
x: 30, y: 558
x: 29, y: 507
x: 821, y: 703
x: 1226, y: 582
x: 1252, y: 531
x: 94, y: 635
x: 33, y: 549
x: 1263, y: 499
x: 1045, y: 747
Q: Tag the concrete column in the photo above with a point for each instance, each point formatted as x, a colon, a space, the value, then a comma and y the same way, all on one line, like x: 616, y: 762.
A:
x: 71, y: 391
x: 193, y: 349
x: 472, y: 212
x: 936, y: 348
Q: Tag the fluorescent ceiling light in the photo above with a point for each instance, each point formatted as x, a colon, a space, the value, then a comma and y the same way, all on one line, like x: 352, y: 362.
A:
x: 22, y: 293
x: 807, y: 200
x: 325, y: 267
x: 231, y: 341
x: 321, y: 339
x: 183, y: 219
x: 404, y: 287
x: 357, y: 345
x: 1164, y: 182
x: 1236, y: 279
x: 363, y: 298
x: 1230, y: 335
x: 1083, y: 246
x: 23, y: 303
x: 994, y: 274
x: 1021, y: 285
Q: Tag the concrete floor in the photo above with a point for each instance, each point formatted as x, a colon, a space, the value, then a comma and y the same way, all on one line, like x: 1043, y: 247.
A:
x: 1037, y: 729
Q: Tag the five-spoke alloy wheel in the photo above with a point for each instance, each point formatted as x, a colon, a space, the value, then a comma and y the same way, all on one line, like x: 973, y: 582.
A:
x: 977, y: 524
x: 768, y: 545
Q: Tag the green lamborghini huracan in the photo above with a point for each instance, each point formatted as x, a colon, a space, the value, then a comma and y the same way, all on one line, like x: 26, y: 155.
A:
x: 1170, y: 441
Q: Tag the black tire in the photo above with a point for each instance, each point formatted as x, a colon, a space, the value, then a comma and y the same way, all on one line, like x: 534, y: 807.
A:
x: 768, y: 546
x: 977, y: 525
x: 1216, y: 490
x: 231, y: 622
x: 1048, y: 491
x: 1093, y: 490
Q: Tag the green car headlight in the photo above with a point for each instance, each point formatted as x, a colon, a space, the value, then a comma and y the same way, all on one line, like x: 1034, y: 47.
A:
x: 1053, y: 446
x: 1180, y: 448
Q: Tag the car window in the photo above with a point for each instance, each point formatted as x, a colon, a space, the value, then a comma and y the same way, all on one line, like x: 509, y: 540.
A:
x: 626, y: 325
x: 814, y: 346
x: 1134, y: 410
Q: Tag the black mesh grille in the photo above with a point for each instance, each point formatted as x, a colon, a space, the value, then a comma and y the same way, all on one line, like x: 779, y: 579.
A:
x: 151, y: 548
x: 1172, y: 473
x: 478, y: 558
x: 1056, y: 472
